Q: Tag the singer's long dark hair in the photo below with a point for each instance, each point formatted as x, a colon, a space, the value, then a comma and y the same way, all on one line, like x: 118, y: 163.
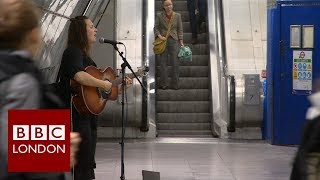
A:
x: 77, y: 35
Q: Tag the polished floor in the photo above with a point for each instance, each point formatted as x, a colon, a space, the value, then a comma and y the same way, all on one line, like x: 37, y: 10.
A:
x: 195, y: 159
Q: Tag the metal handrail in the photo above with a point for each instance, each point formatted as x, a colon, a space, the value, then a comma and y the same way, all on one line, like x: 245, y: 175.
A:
x: 221, y: 38
x: 232, y: 105
x: 148, y: 13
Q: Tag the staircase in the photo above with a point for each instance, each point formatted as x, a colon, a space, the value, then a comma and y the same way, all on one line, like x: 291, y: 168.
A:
x: 186, y: 112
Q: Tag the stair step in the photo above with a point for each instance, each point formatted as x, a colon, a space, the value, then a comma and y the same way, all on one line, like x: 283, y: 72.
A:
x: 183, y: 117
x: 183, y: 126
x: 198, y: 49
x: 192, y: 82
x: 188, y: 71
x: 202, y: 38
x: 184, y: 16
x: 185, y: 133
x: 183, y: 95
x: 197, y: 60
x: 187, y: 28
x: 183, y: 106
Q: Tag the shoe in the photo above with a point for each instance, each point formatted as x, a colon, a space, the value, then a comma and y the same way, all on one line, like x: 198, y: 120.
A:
x: 194, y: 41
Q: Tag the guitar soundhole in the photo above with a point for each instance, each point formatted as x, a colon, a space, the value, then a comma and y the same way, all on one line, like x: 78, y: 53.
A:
x: 102, y: 93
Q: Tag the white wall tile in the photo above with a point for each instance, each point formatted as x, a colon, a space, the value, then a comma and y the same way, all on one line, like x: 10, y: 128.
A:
x: 240, y: 20
x: 242, y: 49
x: 263, y: 18
x: 245, y: 30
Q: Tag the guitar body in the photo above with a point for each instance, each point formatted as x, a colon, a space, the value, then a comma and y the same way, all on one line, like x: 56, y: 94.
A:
x: 88, y: 100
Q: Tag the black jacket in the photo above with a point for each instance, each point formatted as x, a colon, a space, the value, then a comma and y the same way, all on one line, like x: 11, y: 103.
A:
x: 10, y: 66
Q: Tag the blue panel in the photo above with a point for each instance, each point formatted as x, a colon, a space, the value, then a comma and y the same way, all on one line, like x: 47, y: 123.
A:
x: 272, y: 70
x: 286, y: 110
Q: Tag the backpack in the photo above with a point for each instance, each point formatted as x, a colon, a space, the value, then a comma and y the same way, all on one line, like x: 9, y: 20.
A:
x: 60, y: 90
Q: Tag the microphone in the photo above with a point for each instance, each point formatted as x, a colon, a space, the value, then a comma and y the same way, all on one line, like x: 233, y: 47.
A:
x: 103, y: 40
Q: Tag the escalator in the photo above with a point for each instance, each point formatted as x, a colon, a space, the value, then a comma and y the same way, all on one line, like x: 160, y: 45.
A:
x: 186, y: 112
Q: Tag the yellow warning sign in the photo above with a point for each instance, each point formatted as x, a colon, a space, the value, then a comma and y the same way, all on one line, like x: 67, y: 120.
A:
x: 309, y: 66
x: 295, y: 75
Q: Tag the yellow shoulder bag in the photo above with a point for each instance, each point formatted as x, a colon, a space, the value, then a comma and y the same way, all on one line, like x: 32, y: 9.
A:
x: 159, y: 46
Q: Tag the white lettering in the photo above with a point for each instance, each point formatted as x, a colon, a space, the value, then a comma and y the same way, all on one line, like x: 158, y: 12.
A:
x: 20, y: 132
x: 57, y: 132
x: 39, y: 148
x: 61, y: 149
x: 23, y: 146
x: 39, y: 132
x: 14, y: 150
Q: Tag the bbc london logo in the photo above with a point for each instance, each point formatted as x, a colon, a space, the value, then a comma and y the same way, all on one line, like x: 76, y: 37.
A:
x: 39, y: 141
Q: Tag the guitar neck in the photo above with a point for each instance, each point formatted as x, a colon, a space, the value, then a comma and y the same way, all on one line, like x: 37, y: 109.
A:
x: 118, y: 80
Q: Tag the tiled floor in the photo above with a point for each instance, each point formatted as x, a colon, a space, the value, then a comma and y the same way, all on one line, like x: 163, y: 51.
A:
x: 195, y: 159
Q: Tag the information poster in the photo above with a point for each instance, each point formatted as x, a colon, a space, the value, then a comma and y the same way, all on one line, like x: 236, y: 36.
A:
x: 302, y: 72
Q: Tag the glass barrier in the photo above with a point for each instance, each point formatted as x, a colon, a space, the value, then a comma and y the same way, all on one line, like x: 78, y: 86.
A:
x: 54, y: 25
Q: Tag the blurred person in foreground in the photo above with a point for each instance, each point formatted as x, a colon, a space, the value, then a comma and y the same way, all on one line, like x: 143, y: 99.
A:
x: 21, y: 83
x: 306, y: 163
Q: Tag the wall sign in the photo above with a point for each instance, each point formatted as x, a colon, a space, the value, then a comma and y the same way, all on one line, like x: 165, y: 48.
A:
x: 302, y: 72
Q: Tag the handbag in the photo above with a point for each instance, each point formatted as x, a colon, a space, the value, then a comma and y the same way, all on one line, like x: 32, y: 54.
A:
x: 159, y: 45
x: 185, y: 53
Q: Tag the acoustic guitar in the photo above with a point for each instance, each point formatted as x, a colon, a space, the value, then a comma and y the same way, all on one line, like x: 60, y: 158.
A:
x: 92, y: 100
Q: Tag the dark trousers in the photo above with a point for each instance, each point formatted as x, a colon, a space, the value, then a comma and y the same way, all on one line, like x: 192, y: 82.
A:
x: 86, y: 125
x: 195, y: 21
x: 170, y: 55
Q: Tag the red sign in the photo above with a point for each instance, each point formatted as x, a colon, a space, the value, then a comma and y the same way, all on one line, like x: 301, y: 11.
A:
x: 302, y: 55
x: 264, y: 74
x: 39, y: 141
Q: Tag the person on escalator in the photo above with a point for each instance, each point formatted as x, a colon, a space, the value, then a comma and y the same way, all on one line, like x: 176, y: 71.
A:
x: 197, y: 17
x: 168, y: 27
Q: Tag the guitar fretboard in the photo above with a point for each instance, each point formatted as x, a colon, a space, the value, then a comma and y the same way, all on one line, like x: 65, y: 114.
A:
x: 118, y: 80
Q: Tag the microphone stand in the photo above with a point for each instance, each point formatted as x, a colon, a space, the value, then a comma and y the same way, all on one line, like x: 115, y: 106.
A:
x: 123, y: 70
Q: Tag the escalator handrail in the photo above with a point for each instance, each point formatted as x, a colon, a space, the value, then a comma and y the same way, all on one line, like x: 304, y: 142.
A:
x: 232, y: 104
